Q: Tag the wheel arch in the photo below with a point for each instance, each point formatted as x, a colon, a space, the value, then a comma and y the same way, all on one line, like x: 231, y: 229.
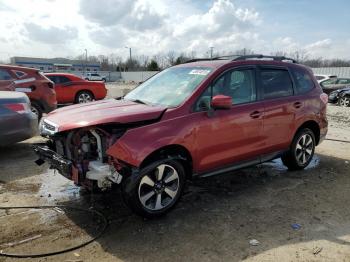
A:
x: 315, y: 128
x: 176, y: 151
x: 84, y: 90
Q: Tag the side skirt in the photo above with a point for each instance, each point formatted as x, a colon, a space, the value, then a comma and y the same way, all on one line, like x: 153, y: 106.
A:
x: 240, y: 165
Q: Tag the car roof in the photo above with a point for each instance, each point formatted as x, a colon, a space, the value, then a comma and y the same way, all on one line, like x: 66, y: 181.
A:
x: 14, y: 67
x: 11, y: 94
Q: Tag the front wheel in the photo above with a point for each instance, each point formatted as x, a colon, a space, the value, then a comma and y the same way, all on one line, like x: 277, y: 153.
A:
x: 157, y: 189
x: 344, y: 101
x: 301, y: 151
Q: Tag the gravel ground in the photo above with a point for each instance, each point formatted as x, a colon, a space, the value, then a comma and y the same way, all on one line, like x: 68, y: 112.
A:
x: 215, y: 220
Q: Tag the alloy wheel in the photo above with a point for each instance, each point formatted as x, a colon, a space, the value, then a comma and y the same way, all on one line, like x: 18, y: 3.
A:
x: 84, y: 98
x: 304, y: 149
x: 159, y: 188
x: 344, y: 101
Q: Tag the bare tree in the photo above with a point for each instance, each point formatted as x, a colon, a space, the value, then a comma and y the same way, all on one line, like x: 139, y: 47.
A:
x: 171, y: 58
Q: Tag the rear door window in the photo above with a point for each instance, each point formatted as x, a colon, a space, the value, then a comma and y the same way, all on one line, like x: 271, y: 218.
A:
x: 276, y: 83
x: 343, y: 81
x: 302, y: 81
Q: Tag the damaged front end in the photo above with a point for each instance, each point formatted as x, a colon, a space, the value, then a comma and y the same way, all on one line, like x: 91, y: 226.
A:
x: 80, y: 154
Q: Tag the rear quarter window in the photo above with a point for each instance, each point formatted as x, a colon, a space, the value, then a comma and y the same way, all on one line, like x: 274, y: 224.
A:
x: 303, y: 81
x: 19, y: 74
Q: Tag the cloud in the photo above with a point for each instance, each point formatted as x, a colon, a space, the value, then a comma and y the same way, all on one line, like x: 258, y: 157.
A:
x: 50, y: 35
x: 322, y: 44
x: 143, y: 17
x: 6, y: 8
x: 106, y: 13
x: 110, y: 37
x: 222, y: 19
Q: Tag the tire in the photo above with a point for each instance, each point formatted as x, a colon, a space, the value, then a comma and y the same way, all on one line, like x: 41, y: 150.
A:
x: 301, y: 150
x: 344, y: 101
x: 149, y: 195
x: 84, y: 97
x: 87, y: 79
x: 36, y: 109
x: 104, y: 80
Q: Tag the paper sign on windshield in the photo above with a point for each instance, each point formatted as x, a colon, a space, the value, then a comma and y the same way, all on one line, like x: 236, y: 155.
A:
x: 202, y: 72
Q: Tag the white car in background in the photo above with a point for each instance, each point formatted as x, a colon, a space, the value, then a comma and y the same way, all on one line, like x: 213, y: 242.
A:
x: 321, y: 78
x: 94, y: 77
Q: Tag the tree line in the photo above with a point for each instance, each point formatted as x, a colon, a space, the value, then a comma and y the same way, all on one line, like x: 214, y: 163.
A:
x: 114, y: 62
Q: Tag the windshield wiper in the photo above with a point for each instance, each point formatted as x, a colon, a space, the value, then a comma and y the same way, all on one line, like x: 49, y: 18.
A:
x: 139, y: 101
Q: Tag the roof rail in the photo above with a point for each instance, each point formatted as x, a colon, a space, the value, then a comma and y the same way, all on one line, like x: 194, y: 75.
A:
x: 198, y: 59
x: 257, y: 56
x: 245, y: 57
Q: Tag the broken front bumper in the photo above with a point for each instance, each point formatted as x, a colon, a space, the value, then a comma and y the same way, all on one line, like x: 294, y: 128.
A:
x: 56, y: 161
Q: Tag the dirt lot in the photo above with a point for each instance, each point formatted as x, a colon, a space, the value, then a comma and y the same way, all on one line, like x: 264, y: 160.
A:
x: 215, y: 220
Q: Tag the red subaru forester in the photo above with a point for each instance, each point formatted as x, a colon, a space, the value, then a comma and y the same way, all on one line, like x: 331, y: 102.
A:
x: 197, y: 119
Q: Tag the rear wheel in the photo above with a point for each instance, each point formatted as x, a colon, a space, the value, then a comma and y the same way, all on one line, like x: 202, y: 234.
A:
x: 156, y: 190
x: 301, y: 151
x: 84, y: 97
x: 36, y: 109
x: 344, y: 101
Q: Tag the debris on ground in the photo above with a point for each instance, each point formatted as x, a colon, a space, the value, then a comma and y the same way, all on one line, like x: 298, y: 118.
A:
x: 254, y: 242
x: 296, y: 226
x: 316, y: 250
x: 16, y: 243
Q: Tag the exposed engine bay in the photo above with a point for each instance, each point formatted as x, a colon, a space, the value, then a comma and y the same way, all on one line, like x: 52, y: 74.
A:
x: 80, y: 155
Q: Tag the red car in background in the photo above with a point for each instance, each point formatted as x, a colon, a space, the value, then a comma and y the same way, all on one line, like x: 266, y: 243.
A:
x: 38, y: 88
x: 73, y: 89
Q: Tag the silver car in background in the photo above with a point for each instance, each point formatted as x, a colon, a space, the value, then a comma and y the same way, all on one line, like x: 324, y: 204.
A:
x: 17, y: 121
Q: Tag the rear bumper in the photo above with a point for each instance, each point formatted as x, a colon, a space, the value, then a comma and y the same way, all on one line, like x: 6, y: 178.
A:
x: 20, y: 128
x: 56, y: 161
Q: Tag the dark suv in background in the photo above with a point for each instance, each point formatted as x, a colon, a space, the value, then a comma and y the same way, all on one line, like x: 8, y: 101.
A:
x: 197, y: 119
x: 39, y: 88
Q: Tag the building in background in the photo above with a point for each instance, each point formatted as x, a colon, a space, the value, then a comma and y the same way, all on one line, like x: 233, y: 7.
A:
x: 57, y: 64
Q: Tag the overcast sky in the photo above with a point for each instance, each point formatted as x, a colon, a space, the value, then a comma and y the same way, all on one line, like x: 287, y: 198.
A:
x: 64, y: 28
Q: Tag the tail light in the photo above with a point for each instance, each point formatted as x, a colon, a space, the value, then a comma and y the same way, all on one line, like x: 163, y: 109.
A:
x: 324, y: 98
x: 18, y: 107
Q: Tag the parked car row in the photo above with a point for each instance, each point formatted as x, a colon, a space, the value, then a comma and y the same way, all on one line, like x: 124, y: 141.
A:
x: 43, y: 92
x: 338, y: 89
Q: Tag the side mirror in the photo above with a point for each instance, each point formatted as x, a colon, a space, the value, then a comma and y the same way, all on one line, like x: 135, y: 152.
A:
x: 221, y: 102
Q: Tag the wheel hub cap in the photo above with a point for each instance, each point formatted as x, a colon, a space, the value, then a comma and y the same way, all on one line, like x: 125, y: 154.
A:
x: 159, y: 188
x: 304, y: 149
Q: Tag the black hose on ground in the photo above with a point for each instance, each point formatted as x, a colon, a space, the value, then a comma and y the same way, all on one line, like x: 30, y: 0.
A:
x: 99, y: 214
x: 337, y: 140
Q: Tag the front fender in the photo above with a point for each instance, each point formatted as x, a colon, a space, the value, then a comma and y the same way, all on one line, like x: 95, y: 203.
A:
x: 136, y: 144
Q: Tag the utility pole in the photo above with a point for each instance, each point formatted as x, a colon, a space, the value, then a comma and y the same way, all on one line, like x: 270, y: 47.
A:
x: 129, y: 52
x: 86, y: 60
x: 211, y: 52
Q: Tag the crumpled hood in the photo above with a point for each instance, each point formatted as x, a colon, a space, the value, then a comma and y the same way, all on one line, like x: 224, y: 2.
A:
x: 347, y: 88
x: 101, y: 112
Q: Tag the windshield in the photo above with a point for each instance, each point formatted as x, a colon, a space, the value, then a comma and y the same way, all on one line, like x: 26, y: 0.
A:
x: 170, y: 87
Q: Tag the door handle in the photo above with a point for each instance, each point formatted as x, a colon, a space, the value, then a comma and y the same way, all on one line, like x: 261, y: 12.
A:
x: 255, y: 114
x: 297, y: 104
